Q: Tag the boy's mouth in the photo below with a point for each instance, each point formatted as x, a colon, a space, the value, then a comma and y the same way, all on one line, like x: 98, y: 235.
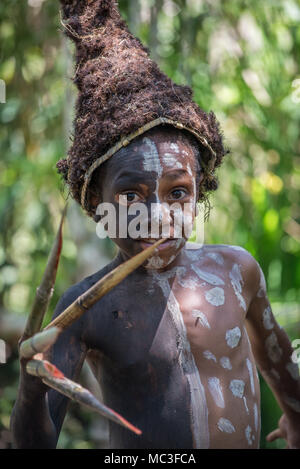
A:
x: 166, y: 244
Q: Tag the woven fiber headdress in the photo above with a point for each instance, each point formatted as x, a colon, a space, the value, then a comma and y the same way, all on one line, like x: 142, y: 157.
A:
x: 122, y: 94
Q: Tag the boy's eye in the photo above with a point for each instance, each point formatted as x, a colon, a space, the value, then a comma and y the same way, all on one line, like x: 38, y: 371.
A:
x: 128, y: 197
x: 178, y: 193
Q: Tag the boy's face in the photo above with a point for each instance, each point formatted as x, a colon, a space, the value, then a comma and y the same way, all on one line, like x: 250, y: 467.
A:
x: 158, y: 171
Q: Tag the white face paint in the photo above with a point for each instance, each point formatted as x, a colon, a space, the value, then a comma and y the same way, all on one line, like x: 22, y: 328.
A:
x: 237, y: 282
x: 237, y: 387
x: 151, y: 160
x: 171, y: 161
x: 225, y: 363
x: 273, y: 349
x: 267, y: 318
x: 215, y: 389
x: 151, y: 163
x: 233, y: 337
x: 155, y: 263
x: 293, y: 370
x: 188, y: 168
x: 200, y: 318
x: 225, y: 426
x: 171, y: 259
x: 207, y: 276
x: 209, y: 356
x: 249, y: 436
x: 174, y: 147
x: 250, y: 371
x: 215, y: 256
x: 215, y: 296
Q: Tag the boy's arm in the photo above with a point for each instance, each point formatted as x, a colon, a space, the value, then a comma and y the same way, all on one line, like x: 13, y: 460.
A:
x: 272, y: 351
x: 39, y: 412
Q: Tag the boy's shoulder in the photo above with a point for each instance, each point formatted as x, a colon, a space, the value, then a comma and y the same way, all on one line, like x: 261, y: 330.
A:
x: 77, y: 289
x: 226, y: 256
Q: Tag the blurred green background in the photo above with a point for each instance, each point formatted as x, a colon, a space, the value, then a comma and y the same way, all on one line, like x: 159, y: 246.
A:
x: 242, y: 60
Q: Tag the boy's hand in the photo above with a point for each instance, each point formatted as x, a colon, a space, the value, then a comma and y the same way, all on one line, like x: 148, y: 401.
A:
x: 289, y: 430
x: 31, y: 385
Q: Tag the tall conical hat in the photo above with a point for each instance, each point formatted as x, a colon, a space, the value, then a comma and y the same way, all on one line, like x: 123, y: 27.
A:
x: 122, y: 94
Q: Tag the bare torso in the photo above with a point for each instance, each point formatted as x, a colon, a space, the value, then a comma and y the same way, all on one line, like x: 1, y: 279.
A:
x: 171, y: 353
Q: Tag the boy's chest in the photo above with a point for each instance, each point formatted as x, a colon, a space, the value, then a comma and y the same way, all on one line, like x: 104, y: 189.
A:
x: 142, y: 320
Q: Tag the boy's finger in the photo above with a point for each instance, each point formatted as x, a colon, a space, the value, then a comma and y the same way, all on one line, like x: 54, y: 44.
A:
x: 274, y: 435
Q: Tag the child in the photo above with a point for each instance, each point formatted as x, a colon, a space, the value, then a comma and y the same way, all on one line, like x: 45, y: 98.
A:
x: 176, y: 344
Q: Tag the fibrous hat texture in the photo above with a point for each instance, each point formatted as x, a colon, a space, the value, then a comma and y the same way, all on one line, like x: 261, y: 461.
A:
x: 120, y: 90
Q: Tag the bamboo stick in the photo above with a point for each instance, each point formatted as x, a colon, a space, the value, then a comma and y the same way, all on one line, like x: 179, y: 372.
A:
x: 39, y: 342
x: 55, y: 379
x: 103, y: 286
x: 45, y: 289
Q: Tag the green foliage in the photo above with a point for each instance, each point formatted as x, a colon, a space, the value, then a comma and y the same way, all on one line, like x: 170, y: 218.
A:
x: 242, y: 60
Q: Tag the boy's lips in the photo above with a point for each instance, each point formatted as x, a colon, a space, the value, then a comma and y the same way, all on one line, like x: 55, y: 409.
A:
x: 166, y: 244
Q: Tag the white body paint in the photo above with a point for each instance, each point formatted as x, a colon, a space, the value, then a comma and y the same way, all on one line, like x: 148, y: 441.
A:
x: 250, y: 371
x: 255, y: 411
x: 225, y: 363
x: 199, y: 410
x: 262, y: 285
x: 233, y: 337
x: 237, y: 387
x: 249, y: 436
x: 207, y: 276
x: 245, y: 404
x: 218, y: 258
x: 293, y: 370
x: 237, y: 282
x: 238, y: 248
x: 215, y: 296
x: 215, y: 389
x: 273, y: 349
x: 225, y: 426
x: 202, y: 318
x: 192, y: 283
x: 209, y: 356
x: 267, y: 319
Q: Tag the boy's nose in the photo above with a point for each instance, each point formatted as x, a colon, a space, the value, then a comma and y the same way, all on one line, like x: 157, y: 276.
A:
x: 159, y: 219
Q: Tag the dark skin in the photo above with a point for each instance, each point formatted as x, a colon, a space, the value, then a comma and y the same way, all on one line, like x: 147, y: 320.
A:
x: 207, y: 301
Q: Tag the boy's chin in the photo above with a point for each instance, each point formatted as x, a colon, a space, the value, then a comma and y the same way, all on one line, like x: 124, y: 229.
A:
x: 164, y: 257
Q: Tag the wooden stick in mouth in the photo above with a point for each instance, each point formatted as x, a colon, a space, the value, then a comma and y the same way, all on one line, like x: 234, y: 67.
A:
x: 103, y: 286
